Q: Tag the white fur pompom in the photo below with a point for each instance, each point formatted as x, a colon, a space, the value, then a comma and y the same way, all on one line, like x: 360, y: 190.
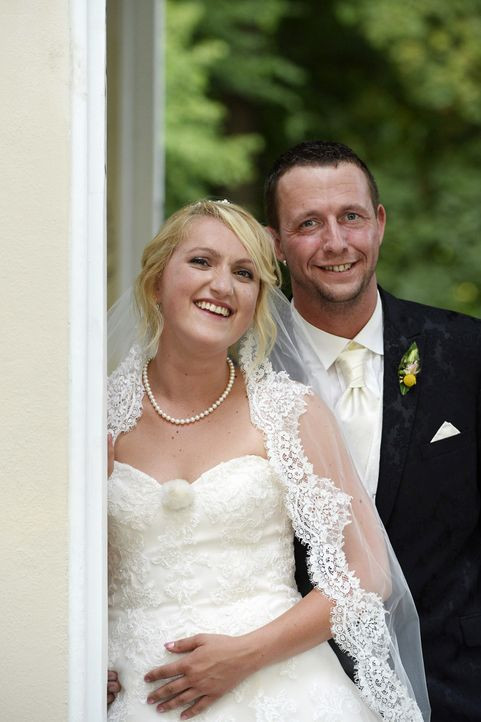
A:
x: 177, y: 494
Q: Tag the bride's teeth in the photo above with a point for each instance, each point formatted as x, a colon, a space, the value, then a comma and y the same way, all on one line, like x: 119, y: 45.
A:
x: 339, y: 269
x: 220, y: 310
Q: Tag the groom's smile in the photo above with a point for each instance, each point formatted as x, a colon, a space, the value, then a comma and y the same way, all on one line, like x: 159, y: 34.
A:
x: 341, y: 268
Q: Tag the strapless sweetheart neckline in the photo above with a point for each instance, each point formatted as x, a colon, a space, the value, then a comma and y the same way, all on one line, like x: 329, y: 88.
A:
x: 208, y: 471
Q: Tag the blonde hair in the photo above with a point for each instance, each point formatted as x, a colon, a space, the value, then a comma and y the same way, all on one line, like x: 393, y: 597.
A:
x: 157, y: 253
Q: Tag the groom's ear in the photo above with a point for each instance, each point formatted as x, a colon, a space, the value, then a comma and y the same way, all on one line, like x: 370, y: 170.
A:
x: 277, y: 243
x: 381, y: 221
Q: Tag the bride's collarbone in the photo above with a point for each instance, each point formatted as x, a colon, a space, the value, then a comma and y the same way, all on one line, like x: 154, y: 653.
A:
x: 166, y: 451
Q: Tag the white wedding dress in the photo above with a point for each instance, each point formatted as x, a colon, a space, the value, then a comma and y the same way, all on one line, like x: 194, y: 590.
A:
x: 216, y: 556
x: 221, y: 564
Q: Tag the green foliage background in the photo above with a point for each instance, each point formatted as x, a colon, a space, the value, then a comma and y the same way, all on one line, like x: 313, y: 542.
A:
x: 398, y: 81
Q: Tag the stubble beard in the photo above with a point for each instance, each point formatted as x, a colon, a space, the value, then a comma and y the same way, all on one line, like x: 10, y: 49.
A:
x: 330, y: 301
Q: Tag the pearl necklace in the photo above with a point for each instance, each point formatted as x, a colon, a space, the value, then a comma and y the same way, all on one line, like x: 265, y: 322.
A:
x: 197, y: 417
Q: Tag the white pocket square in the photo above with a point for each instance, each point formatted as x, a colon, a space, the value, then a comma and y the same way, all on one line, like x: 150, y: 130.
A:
x: 445, y: 431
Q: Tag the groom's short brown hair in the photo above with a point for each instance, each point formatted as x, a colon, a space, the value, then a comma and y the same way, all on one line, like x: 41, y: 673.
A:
x: 312, y: 153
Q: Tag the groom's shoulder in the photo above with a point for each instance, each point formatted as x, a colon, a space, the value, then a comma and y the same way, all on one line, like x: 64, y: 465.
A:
x: 410, y: 314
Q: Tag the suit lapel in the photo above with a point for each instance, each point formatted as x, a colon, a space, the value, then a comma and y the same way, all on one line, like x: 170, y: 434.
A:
x: 399, y: 411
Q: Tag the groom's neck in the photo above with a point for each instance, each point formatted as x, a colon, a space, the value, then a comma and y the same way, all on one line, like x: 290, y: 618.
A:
x: 340, y: 318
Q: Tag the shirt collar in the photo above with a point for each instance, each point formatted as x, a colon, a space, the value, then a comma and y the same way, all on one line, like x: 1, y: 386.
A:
x: 328, y: 346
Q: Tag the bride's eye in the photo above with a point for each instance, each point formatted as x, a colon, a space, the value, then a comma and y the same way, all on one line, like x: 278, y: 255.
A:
x: 245, y: 273
x: 199, y: 261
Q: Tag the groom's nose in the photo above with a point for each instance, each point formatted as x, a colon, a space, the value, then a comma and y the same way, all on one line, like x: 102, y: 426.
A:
x: 333, y: 239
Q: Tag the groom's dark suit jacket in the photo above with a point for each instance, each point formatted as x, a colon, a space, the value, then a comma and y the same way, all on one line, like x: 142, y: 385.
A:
x: 429, y: 494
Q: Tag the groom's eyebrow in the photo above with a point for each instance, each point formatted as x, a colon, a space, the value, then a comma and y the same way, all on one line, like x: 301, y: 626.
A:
x: 303, y: 215
x: 315, y: 213
x: 353, y: 207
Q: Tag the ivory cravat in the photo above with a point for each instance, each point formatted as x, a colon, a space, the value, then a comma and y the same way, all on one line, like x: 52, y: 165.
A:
x: 358, y: 407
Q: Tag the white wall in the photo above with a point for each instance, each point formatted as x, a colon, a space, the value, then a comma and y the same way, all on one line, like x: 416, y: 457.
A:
x: 34, y: 362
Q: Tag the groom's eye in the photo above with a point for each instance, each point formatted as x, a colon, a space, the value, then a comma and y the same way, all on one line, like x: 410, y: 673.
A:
x: 352, y: 216
x: 308, y: 223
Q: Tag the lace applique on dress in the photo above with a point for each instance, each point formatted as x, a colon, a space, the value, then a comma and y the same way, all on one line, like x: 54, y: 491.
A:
x: 319, y: 512
x: 125, y: 392
x: 273, y: 708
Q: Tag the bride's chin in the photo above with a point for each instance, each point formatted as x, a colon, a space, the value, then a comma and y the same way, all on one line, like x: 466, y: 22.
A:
x: 207, y: 349
x: 196, y: 342
x: 208, y: 344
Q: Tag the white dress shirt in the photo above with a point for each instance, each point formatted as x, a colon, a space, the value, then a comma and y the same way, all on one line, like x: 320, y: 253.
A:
x: 328, y: 347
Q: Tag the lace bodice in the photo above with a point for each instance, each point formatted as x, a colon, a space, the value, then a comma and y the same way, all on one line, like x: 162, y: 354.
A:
x: 170, y: 543
x: 160, y: 535
x: 215, y: 556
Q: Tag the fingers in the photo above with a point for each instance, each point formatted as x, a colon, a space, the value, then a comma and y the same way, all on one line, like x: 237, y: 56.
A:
x: 186, y: 645
x: 188, y: 695
x: 180, y: 646
x: 176, y: 687
x: 164, y: 672
x: 201, y: 704
x: 113, y: 685
x: 181, y: 699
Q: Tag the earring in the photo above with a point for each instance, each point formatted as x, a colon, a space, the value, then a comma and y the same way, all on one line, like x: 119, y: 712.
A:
x: 284, y: 262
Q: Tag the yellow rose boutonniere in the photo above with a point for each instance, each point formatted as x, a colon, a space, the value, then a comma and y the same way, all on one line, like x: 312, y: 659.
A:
x: 409, y: 368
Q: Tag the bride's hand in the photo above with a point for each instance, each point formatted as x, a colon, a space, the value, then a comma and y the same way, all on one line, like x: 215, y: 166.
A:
x: 215, y: 663
x: 113, y: 686
x: 110, y: 454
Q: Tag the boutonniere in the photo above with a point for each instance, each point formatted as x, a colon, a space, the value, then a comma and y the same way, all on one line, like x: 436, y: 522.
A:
x: 409, y: 368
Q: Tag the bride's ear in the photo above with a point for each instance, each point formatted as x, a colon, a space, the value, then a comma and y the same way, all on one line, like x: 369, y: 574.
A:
x: 157, y: 290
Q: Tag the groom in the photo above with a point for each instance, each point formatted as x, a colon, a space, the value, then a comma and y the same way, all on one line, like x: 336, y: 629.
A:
x: 404, y: 381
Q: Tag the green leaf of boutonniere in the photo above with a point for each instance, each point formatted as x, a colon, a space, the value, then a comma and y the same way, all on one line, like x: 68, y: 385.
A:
x: 409, y: 369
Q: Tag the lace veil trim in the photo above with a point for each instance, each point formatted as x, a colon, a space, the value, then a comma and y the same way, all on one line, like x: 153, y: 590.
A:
x: 319, y: 512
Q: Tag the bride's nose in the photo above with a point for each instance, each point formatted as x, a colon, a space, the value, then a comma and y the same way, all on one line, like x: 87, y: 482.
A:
x: 221, y: 282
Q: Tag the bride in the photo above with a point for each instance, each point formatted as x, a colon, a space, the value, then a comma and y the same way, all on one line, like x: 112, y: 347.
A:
x: 218, y: 460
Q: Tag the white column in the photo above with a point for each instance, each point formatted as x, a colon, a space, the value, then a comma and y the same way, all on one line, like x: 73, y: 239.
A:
x: 87, y: 504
